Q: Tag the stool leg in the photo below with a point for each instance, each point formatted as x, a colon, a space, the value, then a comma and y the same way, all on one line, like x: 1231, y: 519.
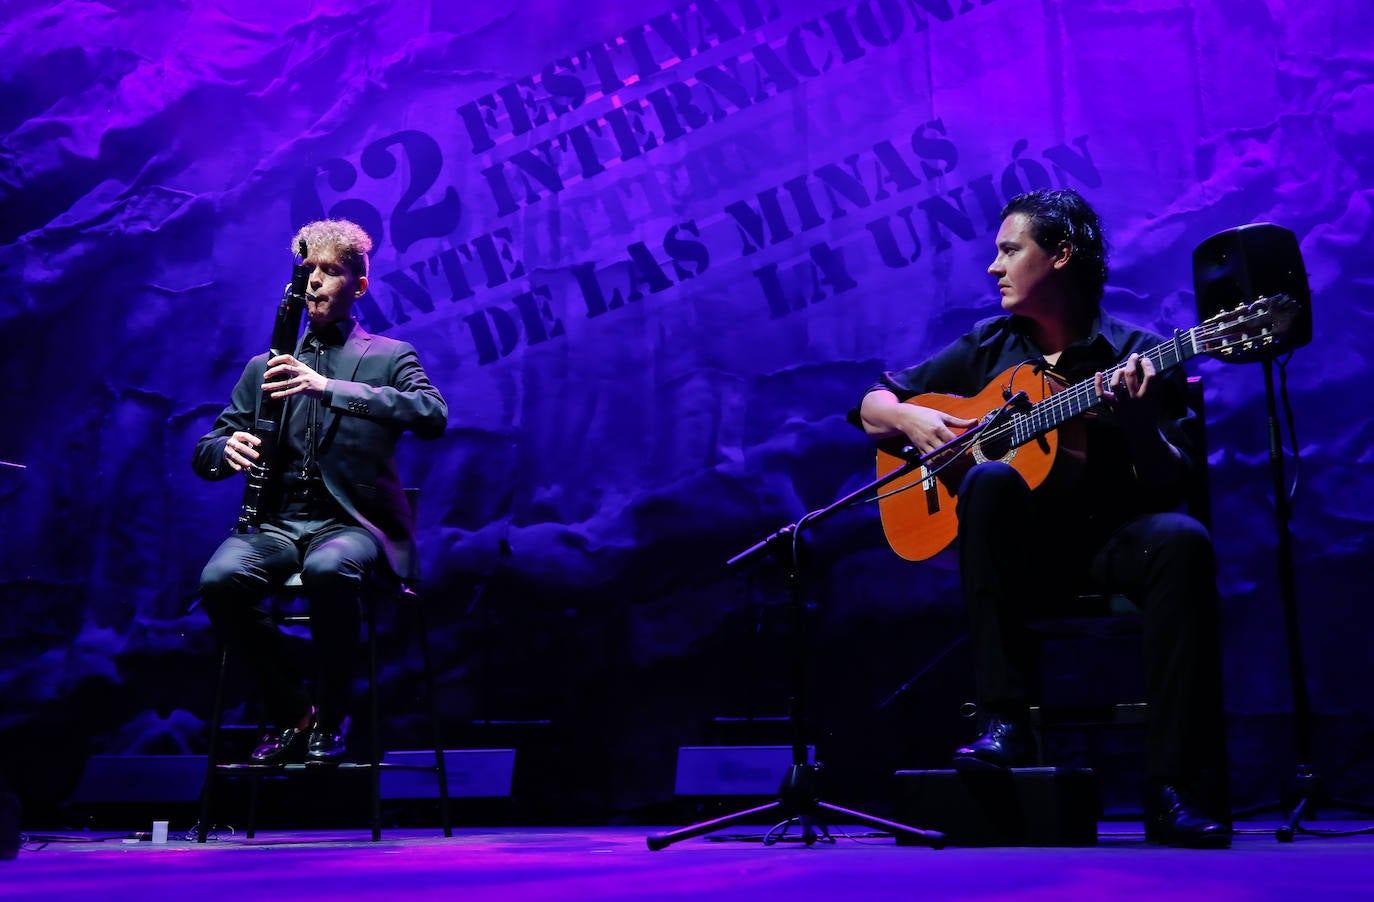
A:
x: 212, y: 753
x: 375, y: 727
x: 440, y: 764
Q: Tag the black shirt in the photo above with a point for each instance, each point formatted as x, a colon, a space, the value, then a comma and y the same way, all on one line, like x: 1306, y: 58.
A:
x: 303, y: 491
x: 1107, y: 492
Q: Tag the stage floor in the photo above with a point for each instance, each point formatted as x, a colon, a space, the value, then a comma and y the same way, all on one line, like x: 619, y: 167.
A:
x: 614, y: 863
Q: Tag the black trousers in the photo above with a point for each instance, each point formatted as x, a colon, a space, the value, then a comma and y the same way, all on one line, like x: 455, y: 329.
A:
x: 1015, y: 560
x: 333, y: 557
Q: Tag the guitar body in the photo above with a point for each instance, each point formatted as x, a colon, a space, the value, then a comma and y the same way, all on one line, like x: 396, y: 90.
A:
x: 920, y: 522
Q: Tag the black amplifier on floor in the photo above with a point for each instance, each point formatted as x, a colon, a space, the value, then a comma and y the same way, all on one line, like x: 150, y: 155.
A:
x: 1032, y: 806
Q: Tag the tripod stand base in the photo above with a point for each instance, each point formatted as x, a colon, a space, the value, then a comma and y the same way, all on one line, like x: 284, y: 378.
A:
x: 797, y: 798
x: 1307, y: 796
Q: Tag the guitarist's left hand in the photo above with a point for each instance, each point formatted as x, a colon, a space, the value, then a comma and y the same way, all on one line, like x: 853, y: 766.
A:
x: 1131, y: 393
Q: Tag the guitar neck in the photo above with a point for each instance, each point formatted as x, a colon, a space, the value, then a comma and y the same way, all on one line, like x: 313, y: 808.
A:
x: 1082, y: 397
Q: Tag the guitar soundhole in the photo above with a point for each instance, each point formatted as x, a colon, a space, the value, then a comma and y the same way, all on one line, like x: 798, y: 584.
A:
x: 996, y: 446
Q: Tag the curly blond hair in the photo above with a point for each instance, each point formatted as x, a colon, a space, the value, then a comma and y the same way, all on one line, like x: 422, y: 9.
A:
x: 345, y: 241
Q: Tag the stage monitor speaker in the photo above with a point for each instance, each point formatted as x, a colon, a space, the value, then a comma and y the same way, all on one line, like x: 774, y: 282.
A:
x: 140, y: 778
x: 1031, y: 806
x: 471, y: 773
x: 733, y: 770
x: 1241, y: 265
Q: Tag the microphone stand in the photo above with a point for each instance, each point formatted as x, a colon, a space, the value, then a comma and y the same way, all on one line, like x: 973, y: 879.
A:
x: 799, y: 795
x: 1307, y: 785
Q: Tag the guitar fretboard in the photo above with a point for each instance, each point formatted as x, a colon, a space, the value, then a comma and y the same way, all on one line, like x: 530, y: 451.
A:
x: 1082, y: 397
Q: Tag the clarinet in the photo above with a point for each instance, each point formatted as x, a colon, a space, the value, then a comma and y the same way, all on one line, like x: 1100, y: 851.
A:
x: 285, y: 333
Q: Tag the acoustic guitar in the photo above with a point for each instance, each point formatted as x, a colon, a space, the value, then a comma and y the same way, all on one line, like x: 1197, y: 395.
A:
x: 1019, y: 414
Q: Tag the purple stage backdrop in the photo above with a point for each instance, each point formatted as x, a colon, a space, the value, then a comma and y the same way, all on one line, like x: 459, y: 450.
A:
x: 651, y: 253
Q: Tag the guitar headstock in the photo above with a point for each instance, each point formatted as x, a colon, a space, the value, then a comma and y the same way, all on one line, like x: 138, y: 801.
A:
x: 1252, y: 331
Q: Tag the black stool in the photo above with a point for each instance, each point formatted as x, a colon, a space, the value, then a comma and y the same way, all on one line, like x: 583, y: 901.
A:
x: 377, y: 586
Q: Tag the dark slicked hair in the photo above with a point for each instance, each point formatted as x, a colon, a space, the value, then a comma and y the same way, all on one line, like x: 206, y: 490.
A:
x: 1056, y: 217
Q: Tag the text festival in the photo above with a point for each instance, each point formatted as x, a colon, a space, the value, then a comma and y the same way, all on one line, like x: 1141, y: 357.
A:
x: 596, y: 87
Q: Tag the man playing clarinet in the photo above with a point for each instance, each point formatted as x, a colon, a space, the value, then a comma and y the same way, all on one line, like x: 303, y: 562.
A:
x: 332, y: 508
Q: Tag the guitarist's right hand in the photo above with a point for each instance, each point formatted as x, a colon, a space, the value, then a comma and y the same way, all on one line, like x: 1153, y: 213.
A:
x: 926, y: 428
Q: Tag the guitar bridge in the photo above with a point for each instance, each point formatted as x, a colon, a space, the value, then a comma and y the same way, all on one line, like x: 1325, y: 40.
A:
x: 929, y: 488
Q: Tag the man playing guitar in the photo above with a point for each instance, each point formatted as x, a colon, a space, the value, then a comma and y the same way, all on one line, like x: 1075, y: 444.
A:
x: 334, y: 508
x: 1098, y: 515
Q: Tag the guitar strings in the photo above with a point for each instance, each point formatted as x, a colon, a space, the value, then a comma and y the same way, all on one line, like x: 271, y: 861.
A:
x: 1056, y: 404
x: 1071, y: 402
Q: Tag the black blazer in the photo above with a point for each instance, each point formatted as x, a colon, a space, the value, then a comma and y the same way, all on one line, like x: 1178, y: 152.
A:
x: 378, y: 391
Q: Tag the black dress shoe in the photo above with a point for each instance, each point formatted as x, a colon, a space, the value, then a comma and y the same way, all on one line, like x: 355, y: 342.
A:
x: 1172, y: 820
x: 280, y: 747
x: 325, y: 746
x: 1005, y: 743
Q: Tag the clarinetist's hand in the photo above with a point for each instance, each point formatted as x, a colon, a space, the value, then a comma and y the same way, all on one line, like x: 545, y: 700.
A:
x: 292, y: 378
x: 240, y: 451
